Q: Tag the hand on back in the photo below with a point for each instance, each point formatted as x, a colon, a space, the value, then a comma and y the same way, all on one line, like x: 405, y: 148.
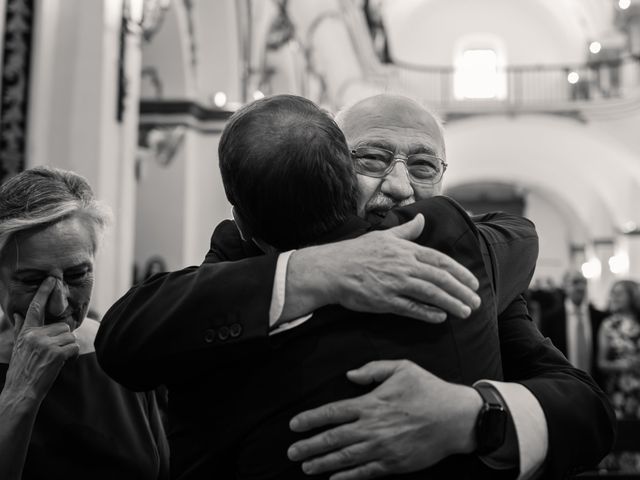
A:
x: 386, y: 272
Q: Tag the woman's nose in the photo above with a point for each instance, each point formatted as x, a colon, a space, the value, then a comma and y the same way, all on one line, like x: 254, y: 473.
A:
x: 58, y: 300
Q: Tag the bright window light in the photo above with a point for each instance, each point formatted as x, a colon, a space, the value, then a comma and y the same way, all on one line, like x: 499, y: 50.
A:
x: 619, y: 263
x: 595, y: 47
x: 592, y: 268
x: 624, y: 4
x: 477, y: 75
x: 573, y: 78
x: 220, y: 99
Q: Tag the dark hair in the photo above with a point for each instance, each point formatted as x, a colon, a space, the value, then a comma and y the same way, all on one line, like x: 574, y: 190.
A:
x: 42, y: 196
x: 632, y: 289
x: 287, y: 170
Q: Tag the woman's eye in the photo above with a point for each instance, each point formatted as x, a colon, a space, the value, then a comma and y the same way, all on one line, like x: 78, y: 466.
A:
x: 76, y: 277
x: 35, y: 281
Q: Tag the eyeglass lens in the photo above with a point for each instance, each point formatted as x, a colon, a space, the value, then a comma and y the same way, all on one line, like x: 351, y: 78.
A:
x: 376, y: 162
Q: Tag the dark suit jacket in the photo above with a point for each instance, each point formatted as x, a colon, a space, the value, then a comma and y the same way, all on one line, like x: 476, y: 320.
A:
x: 554, y: 326
x: 246, y: 435
x: 176, y: 328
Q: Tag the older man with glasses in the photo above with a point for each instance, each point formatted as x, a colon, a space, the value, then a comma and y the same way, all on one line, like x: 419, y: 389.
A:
x: 398, y: 151
x: 557, y: 418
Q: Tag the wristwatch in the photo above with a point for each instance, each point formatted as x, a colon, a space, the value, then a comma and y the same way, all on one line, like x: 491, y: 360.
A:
x: 491, y: 425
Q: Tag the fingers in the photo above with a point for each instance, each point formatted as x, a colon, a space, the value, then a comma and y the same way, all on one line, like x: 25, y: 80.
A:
x: 327, y: 441
x: 36, y: 311
x: 70, y: 350
x: 53, y: 335
x: 455, y: 289
x: 64, y: 339
x: 55, y: 329
x: 330, y: 414
x: 377, y: 371
x: 18, y: 322
x: 355, y: 454
x: 442, y: 261
x: 427, y: 292
x: 369, y: 470
x: 407, y: 307
x: 410, y: 230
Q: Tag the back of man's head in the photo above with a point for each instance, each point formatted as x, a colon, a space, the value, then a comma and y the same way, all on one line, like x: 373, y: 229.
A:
x: 287, y: 170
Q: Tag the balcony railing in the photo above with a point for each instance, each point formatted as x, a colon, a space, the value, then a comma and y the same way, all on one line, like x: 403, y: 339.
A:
x: 543, y: 87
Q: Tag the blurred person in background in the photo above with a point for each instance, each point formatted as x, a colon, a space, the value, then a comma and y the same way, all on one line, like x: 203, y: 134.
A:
x: 619, y: 349
x: 619, y: 362
x: 60, y: 415
x: 573, y: 326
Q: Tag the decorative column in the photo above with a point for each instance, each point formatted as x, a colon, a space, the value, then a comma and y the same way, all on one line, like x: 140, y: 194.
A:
x: 84, y: 115
x: 16, y: 34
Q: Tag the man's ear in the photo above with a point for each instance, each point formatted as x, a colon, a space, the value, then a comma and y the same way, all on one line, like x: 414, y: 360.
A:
x: 245, y: 233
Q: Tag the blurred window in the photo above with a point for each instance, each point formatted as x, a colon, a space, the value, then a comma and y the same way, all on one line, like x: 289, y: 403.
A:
x: 478, y: 75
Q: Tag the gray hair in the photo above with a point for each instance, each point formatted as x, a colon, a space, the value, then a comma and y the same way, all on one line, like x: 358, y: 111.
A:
x: 42, y: 196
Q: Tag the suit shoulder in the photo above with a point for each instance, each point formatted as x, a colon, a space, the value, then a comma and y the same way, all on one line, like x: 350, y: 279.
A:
x: 226, y: 243
x: 440, y: 209
x: 224, y: 230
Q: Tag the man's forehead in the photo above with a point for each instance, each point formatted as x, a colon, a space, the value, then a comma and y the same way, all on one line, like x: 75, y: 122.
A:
x: 394, y: 119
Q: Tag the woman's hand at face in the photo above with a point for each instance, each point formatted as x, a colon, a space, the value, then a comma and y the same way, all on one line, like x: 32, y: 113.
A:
x: 39, y: 351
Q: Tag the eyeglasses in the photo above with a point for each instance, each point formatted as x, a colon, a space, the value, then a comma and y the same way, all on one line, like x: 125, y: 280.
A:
x: 379, y: 162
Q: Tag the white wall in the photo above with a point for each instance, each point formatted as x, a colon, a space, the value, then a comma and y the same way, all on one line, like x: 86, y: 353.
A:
x: 554, y: 234
x: 179, y: 204
x: 592, y: 173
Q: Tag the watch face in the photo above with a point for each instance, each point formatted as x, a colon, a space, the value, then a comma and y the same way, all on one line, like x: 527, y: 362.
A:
x: 491, y: 428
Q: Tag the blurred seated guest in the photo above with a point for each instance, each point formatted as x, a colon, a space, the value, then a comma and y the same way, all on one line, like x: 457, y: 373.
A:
x: 619, y: 349
x: 60, y: 415
x: 573, y: 326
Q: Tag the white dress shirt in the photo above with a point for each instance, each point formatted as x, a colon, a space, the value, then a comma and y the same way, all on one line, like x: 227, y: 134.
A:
x: 578, y: 315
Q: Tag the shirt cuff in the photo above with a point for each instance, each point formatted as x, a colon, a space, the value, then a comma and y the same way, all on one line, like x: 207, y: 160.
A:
x: 530, y: 426
x: 279, y: 287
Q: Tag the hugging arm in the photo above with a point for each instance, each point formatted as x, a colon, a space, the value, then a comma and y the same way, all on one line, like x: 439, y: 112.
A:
x: 175, y: 326
x: 510, y: 242
x: 580, y: 421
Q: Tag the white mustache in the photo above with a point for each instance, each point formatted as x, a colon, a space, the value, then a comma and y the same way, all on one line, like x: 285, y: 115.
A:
x: 385, y: 203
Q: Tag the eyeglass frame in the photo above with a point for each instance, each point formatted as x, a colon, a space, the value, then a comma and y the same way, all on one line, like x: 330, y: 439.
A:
x: 399, y: 157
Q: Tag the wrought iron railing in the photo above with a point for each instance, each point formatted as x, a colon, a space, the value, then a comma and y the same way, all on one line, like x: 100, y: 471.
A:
x: 518, y: 87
